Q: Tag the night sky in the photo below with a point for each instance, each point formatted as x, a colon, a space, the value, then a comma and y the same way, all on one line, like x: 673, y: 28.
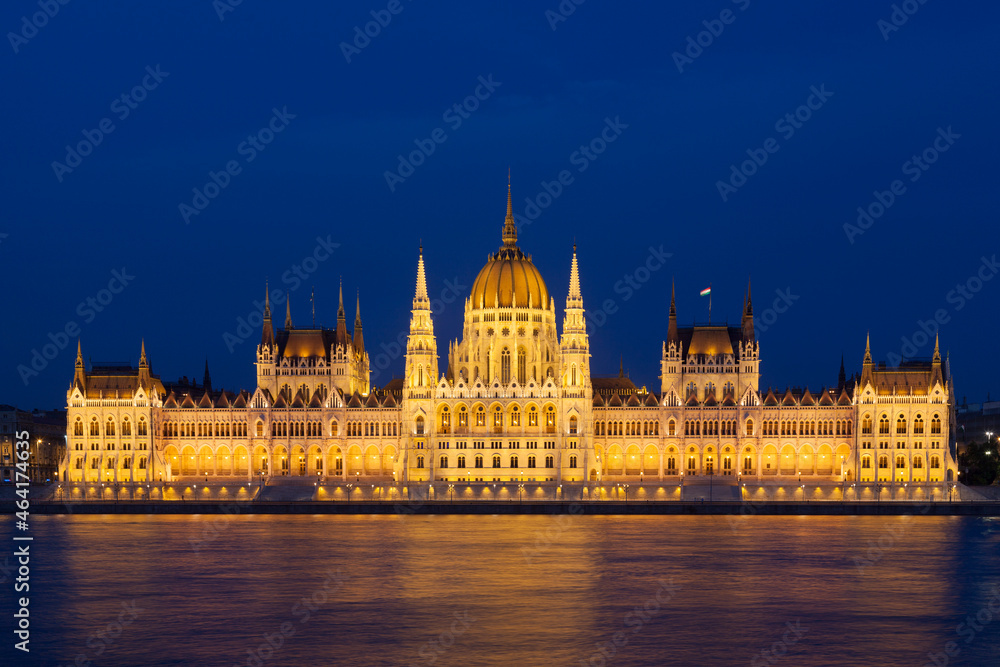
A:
x: 677, y: 118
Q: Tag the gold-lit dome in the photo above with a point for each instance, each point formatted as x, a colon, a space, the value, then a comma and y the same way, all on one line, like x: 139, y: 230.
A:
x: 509, y: 277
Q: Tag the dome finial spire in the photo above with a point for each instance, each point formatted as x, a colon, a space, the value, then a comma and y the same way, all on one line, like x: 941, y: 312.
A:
x: 509, y: 228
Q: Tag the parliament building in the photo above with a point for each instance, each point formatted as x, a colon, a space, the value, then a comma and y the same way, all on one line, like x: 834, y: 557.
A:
x: 515, y: 404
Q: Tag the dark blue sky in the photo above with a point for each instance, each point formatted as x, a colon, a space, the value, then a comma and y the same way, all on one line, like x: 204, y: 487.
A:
x: 655, y: 186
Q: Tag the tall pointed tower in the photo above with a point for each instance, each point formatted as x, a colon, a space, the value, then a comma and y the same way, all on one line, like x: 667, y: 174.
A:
x: 577, y: 390
x: 419, y: 379
x: 144, y: 375
x: 866, y: 365
x: 359, y: 364
x: 80, y: 374
x: 670, y: 358
x: 267, y: 350
x: 749, y: 349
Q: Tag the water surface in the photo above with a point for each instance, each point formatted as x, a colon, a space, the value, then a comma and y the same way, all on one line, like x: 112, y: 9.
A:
x: 526, y: 590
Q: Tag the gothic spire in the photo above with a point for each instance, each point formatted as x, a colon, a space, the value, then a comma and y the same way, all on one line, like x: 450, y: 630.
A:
x: 509, y: 228
x: 341, y: 333
x: 420, y: 300
x: 672, y: 324
x: 747, y: 323
x: 842, y: 376
x: 574, y: 297
x: 359, y: 340
x: 288, y: 311
x: 866, y: 367
x: 267, y: 331
x: 207, y: 380
x: 340, y: 310
x: 936, y: 376
x: 80, y: 374
x: 143, y: 363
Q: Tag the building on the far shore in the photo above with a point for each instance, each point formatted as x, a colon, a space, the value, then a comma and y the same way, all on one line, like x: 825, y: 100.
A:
x: 46, y: 433
x: 513, y: 403
x: 973, y: 421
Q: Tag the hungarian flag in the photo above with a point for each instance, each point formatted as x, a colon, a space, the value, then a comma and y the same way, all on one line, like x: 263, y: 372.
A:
x: 706, y: 291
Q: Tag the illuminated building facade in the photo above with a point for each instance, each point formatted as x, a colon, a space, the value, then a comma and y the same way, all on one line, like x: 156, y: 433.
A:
x: 516, y: 403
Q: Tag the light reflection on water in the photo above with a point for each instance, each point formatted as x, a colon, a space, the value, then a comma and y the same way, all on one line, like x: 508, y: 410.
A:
x: 511, y: 589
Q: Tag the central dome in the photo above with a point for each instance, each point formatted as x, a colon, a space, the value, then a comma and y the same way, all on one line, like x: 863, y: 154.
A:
x: 509, y: 277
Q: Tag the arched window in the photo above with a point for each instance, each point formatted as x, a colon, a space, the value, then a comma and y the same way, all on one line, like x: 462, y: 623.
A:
x: 479, y: 460
x: 572, y: 462
x: 513, y: 461
x: 900, y: 461
x: 480, y: 416
x: 498, y: 419
x: 550, y: 419
x: 109, y: 428
x: 532, y: 416
x: 463, y: 417
x: 496, y: 460
x: 935, y: 426
x: 866, y: 462
x: 444, y: 462
x: 549, y: 461
x: 883, y: 462
x: 531, y: 461
x: 900, y: 425
x: 749, y: 429
x: 883, y: 425
x: 259, y: 429
x: 572, y: 425
x: 866, y: 425
x: 420, y: 462
x: 420, y: 428
x: 78, y: 426
x: 671, y: 427
x: 445, y: 420
x: 461, y: 461
x: 918, y: 425
x: 143, y: 428
x: 505, y: 366
x: 515, y: 416
x: 522, y: 367
x: 126, y: 426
